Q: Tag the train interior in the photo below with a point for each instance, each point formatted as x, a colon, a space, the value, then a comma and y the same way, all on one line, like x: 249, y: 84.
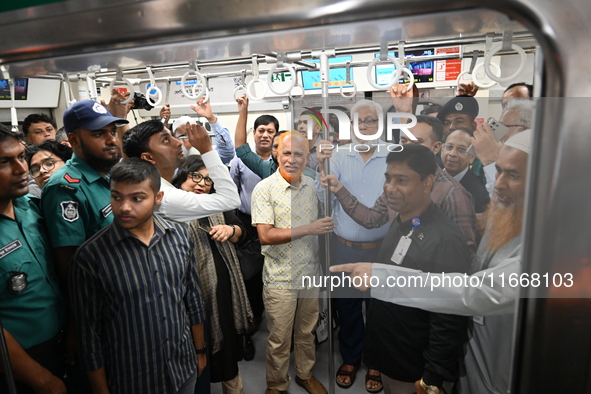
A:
x: 279, y: 67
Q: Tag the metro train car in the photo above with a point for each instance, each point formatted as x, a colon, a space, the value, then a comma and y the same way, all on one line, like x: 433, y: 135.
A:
x: 286, y: 57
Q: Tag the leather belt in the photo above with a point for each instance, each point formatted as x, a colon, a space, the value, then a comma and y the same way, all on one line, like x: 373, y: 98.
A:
x: 359, y: 245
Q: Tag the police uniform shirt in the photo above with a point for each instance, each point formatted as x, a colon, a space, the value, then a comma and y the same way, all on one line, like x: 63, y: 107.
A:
x: 76, y: 203
x: 35, y: 314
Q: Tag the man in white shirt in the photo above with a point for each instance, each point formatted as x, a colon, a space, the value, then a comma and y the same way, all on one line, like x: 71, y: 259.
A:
x: 153, y: 142
x: 485, y: 294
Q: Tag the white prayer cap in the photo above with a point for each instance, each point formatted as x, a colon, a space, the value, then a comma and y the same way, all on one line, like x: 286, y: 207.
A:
x: 521, y: 141
x: 181, y: 121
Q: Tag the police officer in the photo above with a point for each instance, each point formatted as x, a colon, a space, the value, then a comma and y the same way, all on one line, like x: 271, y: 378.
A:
x: 31, y: 306
x: 460, y: 111
x: 76, y: 199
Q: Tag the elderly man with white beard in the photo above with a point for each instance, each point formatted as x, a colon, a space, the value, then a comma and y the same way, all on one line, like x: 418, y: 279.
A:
x: 488, y: 357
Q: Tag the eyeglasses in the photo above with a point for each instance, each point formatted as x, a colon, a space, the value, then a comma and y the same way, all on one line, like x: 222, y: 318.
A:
x: 197, y: 177
x: 460, y: 149
x: 47, y: 164
x: 368, y: 122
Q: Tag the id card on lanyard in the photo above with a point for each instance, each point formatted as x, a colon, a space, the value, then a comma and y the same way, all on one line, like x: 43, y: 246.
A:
x: 404, y: 244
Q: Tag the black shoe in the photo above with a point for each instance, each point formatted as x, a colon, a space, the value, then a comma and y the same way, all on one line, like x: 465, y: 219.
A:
x: 248, y: 348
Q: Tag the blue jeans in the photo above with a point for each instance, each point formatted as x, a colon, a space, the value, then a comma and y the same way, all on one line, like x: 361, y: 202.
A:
x: 350, y: 303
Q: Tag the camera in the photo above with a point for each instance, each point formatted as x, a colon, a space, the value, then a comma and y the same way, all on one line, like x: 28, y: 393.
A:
x: 140, y: 102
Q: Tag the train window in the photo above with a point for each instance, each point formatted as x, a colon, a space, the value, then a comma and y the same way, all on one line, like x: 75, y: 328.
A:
x: 364, y: 83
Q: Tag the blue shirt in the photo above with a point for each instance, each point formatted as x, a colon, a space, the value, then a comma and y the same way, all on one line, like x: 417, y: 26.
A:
x: 245, y: 180
x: 134, y: 305
x: 36, y: 314
x: 223, y: 142
x: 365, y: 181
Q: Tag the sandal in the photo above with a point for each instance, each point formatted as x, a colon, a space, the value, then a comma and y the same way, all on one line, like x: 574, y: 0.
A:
x: 351, y: 374
x: 375, y: 378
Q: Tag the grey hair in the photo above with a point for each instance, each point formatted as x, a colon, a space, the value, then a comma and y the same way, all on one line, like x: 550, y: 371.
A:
x: 367, y: 103
x: 525, y: 107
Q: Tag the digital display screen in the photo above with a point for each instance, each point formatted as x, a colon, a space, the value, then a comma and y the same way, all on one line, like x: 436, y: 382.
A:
x: 338, y: 76
x: 20, y: 89
x: 422, y: 71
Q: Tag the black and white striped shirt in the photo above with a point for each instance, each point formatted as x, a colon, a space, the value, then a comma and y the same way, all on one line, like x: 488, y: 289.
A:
x: 134, y: 305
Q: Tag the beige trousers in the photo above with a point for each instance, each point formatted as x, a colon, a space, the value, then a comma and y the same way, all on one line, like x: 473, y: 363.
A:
x: 287, y: 310
x: 233, y: 386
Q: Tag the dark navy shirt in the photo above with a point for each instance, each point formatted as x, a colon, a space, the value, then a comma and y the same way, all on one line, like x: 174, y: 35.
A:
x: 134, y: 306
x: 409, y: 343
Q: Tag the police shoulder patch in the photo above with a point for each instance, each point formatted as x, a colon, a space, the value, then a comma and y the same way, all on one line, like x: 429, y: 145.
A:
x: 106, y: 211
x: 68, y: 178
x: 69, y: 211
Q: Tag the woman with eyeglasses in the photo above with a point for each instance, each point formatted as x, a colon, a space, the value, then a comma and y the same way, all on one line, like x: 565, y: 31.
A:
x: 222, y: 286
x: 45, y: 159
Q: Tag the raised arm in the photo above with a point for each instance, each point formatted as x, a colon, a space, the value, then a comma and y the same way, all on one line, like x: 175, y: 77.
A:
x: 221, y: 135
x: 120, y: 111
x: 182, y: 206
x: 240, y: 135
x: 403, y: 100
x: 254, y: 162
x: 165, y: 114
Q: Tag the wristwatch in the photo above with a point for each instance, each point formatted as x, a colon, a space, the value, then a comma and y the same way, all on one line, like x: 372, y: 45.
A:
x: 203, y: 350
x: 430, y: 389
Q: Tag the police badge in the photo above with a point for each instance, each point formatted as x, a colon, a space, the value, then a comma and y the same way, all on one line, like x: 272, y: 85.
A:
x: 99, y: 109
x: 17, y: 283
x: 459, y: 107
x: 69, y: 211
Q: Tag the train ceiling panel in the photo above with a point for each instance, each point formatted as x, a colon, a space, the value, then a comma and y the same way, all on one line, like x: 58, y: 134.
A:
x: 75, y: 36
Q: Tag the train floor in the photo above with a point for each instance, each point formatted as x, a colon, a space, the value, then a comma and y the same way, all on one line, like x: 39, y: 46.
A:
x: 253, y: 372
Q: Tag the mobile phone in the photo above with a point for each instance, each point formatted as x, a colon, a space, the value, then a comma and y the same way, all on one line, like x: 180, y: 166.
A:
x: 205, y: 228
x: 499, y: 129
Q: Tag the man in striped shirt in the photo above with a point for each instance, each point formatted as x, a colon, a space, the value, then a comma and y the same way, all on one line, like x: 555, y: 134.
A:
x: 135, y: 294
